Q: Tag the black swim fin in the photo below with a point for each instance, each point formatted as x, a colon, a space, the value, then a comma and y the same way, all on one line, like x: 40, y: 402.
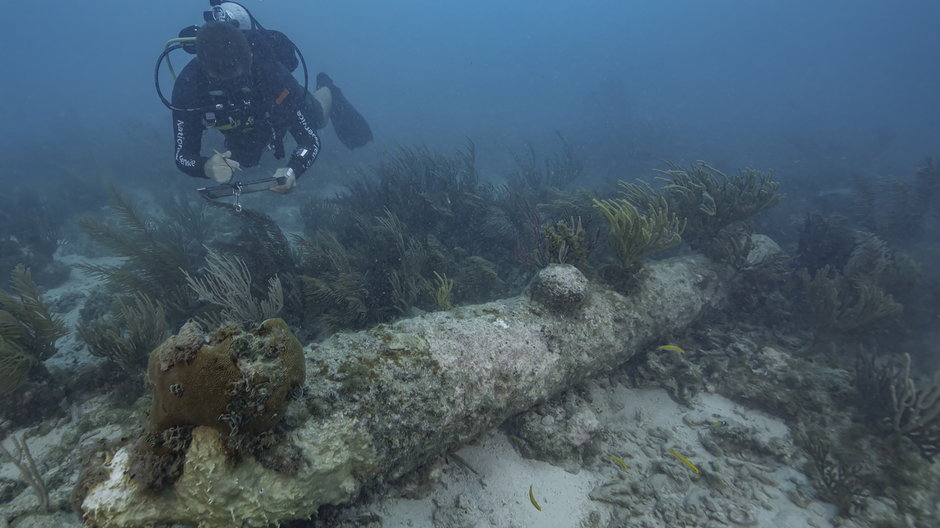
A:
x: 350, y: 127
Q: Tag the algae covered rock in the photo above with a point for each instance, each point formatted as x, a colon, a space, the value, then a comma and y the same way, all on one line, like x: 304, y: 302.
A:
x: 214, y: 492
x: 560, y: 288
x: 764, y: 251
x: 233, y: 381
x: 214, y: 394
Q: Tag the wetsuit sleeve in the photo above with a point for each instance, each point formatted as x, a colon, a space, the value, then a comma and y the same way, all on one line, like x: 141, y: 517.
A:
x: 187, y: 134
x: 187, y: 126
x: 301, y: 125
x: 308, y: 144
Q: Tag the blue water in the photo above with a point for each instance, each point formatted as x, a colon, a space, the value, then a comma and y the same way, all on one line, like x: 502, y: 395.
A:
x: 741, y: 80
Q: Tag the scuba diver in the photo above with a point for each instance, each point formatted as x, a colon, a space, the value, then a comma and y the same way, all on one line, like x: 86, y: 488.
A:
x: 240, y: 83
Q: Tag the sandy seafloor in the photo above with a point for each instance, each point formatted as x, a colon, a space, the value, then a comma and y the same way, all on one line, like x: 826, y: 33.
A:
x: 639, y: 424
x: 572, y: 475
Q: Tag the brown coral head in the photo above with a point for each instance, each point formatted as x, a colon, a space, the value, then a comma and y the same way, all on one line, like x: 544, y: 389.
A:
x: 236, y: 381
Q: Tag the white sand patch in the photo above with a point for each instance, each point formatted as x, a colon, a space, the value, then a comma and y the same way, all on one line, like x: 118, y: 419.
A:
x: 635, y: 421
x: 500, y: 493
x: 72, y: 351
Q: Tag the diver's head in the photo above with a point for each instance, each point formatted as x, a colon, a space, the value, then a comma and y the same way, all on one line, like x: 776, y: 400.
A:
x: 231, y: 12
x: 223, y: 51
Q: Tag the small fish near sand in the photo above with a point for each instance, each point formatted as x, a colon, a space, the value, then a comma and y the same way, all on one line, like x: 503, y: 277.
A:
x: 673, y: 348
x: 619, y: 461
x: 685, y: 461
x: 532, y: 499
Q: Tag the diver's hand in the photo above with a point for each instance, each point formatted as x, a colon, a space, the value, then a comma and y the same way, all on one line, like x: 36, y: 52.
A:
x: 220, y: 167
x: 290, y: 180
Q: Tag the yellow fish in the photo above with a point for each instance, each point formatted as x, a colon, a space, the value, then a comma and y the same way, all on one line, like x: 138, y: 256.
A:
x: 618, y: 460
x: 685, y: 461
x: 532, y: 499
x: 674, y: 348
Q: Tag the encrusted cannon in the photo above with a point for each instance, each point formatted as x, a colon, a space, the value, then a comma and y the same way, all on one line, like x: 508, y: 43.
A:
x: 379, y: 403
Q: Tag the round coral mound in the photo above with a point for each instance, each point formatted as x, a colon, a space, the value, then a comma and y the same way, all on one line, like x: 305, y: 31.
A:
x: 560, y: 288
x: 234, y: 381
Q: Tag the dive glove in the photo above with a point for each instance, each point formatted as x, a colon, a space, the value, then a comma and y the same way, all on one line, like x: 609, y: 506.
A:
x: 289, y: 180
x: 220, y: 167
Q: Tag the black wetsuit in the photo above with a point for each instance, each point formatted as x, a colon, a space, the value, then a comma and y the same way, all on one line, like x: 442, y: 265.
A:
x: 277, y: 103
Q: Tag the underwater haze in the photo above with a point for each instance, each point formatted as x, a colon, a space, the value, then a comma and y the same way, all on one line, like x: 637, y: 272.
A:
x: 743, y: 78
x: 547, y: 263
